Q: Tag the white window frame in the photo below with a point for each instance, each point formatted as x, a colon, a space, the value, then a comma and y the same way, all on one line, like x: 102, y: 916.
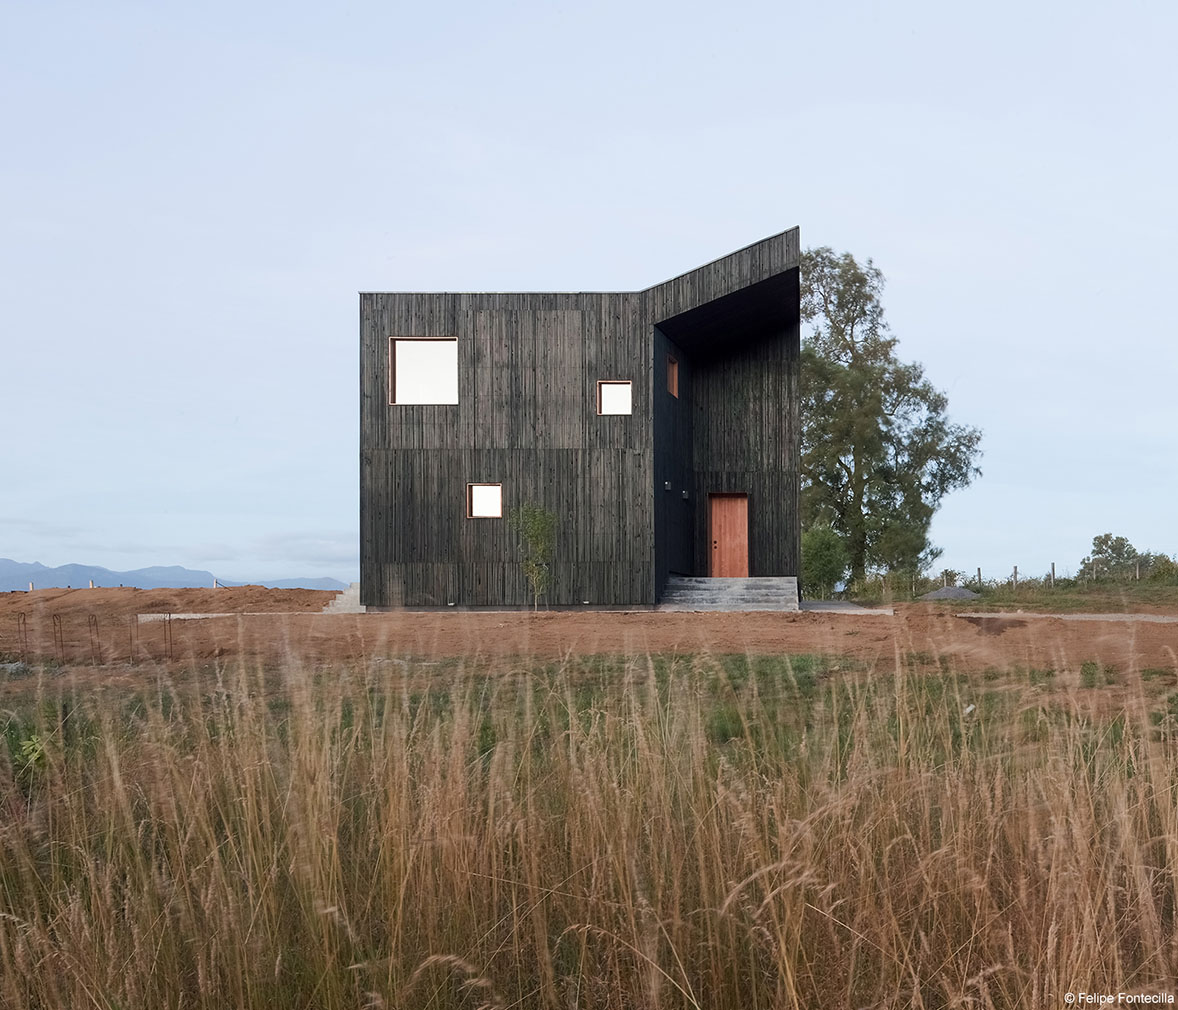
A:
x: 470, y: 500
x: 601, y: 384
x: 410, y: 401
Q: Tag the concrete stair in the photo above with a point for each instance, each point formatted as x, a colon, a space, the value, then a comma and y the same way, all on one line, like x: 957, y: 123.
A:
x: 346, y: 602
x: 696, y: 593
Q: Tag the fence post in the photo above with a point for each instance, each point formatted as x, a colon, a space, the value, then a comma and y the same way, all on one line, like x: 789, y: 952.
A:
x: 1016, y: 578
x: 59, y: 639
x: 95, y: 641
x: 979, y: 578
x: 1053, y: 575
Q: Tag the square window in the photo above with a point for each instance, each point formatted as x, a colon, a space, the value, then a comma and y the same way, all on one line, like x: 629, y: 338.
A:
x: 423, y: 370
x: 614, y: 398
x: 484, y: 501
x: 672, y: 376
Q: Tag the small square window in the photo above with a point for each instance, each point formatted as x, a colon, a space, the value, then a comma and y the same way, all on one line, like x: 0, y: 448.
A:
x: 672, y: 376
x: 484, y: 501
x: 614, y: 398
x: 423, y: 370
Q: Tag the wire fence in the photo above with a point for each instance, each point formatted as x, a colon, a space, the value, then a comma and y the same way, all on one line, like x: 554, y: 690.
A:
x: 103, y: 640
x: 1137, y: 575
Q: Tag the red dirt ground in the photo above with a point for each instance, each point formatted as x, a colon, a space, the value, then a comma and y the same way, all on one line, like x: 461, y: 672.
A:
x: 98, y: 629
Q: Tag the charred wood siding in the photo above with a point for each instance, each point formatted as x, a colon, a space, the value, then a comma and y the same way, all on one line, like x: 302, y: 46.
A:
x: 528, y: 367
x: 526, y: 418
x: 673, y: 455
x: 728, y: 275
x: 745, y: 427
x: 742, y: 351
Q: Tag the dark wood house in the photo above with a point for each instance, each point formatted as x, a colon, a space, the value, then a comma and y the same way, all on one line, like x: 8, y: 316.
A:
x: 661, y: 426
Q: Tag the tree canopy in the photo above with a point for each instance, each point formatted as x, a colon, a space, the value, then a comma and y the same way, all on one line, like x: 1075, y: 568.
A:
x: 1116, y: 558
x: 878, y: 450
x: 1110, y: 556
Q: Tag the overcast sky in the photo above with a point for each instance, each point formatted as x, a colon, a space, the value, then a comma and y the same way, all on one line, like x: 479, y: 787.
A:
x: 191, y: 196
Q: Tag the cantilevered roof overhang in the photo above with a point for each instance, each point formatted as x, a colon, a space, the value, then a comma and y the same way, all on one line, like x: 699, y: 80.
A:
x: 737, y: 299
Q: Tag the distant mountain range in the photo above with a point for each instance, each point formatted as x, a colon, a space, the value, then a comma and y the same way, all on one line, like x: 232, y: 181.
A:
x: 18, y: 575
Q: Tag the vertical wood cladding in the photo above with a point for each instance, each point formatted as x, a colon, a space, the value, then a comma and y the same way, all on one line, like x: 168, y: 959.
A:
x: 743, y: 350
x: 745, y: 427
x: 528, y: 367
x: 675, y: 495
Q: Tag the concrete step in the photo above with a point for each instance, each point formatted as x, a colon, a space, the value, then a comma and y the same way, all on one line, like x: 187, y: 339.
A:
x: 691, y: 593
x: 346, y: 602
x: 724, y: 608
x: 755, y: 580
x: 721, y: 597
x: 742, y: 594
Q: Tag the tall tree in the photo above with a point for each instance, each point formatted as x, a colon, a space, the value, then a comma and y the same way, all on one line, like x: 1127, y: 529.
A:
x: 878, y: 451
x: 1113, y: 556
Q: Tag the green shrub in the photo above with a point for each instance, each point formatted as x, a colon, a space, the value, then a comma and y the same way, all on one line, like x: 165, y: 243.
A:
x: 536, y: 527
x: 824, y: 561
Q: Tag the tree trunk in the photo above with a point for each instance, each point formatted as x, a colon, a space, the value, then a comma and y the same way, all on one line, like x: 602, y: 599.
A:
x: 857, y: 547
x: 856, y: 523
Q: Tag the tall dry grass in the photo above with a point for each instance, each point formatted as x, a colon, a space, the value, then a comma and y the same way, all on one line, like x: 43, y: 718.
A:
x: 708, y: 832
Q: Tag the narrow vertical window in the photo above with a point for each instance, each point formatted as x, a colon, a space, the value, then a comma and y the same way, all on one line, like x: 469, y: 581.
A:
x: 614, y: 397
x: 484, y: 501
x: 423, y: 370
x: 672, y: 376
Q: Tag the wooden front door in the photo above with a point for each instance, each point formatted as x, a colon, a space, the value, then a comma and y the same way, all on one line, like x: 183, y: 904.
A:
x: 728, y: 536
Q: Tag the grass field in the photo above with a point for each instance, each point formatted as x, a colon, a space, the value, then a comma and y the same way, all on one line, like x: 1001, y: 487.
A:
x: 644, y: 831
x: 1037, y: 594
